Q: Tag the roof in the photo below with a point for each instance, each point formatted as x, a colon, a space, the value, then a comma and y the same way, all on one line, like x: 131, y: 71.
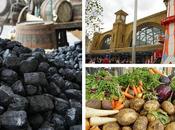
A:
x: 121, y: 12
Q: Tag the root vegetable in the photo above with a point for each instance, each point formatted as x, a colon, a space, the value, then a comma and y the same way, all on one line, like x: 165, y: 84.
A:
x: 87, y: 125
x: 126, y: 128
x: 151, y: 117
x: 155, y: 125
x: 91, y: 112
x: 97, y: 121
x: 170, y: 126
x: 137, y: 104
x: 94, y: 104
x: 111, y: 126
x: 141, y: 123
x: 151, y: 71
x: 126, y: 116
x: 95, y: 128
x: 143, y: 112
x: 151, y: 105
x: 107, y: 105
x: 126, y: 103
x: 156, y: 71
x: 172, y: 118
x: 168, y: 107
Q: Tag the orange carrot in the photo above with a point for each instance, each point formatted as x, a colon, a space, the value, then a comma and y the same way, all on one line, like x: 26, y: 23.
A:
x: 135, y: 90
x: 113, y: 103
x: 119, y: 106
x: 128, y: 95
x: 127, y: 89
x: 151, y: 71
x: 140, y: 83
x: 141, y: 87
x: 139, y: 90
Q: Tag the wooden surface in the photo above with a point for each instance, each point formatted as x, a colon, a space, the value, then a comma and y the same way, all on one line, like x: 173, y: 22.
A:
x: 69, y: 25
x: 63, y: 10
x: 36, y: 35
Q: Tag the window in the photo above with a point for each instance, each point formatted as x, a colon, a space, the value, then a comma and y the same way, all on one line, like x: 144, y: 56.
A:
x: 148, y: 35
x: 106, y: 42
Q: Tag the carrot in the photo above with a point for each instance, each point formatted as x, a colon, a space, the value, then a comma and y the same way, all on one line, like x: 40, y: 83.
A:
x: 126, y: 91
x: 140, y: 83
x: 139, y: 90
x: 119, y: 106
x: 113, y: 103
x: 151, y: 71
x: 157, y: 71
x: 135, y: 90
x: 141, y: 87
x: 128, y: 95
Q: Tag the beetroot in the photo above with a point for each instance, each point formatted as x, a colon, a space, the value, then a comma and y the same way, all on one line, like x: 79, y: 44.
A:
x: 164, y: 92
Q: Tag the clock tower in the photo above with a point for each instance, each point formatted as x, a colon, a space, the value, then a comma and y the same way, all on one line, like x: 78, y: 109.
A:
x: 118, y: 32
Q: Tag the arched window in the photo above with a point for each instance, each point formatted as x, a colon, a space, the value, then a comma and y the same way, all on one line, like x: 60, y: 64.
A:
x: 148, y: 35
x: 106, y: 42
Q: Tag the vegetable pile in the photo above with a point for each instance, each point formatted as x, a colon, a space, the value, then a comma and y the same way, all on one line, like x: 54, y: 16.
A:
x: 142, y: 99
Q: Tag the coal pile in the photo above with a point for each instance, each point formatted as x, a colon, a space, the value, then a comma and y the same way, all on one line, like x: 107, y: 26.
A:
x: 40, y: 91
x: 70, y: 57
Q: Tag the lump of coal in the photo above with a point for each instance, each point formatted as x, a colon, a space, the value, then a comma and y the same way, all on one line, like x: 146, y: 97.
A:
x: 14, y: 120
x: 71, y: 116
x: 31, y: 90
x: 18, y: 103
x: 12, y: 62
x: 51, y: 71
x: 29, y: 65
x: 35, y: 78
x: 40, y: 103
x: 5, y: 96
x: 73, y: 93
x: 76, y: 127
x: 43, y: 67
x: 53, y: 89
x: 61, y: 105
x: 58, y: 80
x: 18, y: 88
x: 9, y: 76
x: 2, y: 109
x: 36, y: 121
x: 59, y: 122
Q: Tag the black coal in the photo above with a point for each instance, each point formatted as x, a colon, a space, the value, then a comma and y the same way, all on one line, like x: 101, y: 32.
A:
x: 39, y: 90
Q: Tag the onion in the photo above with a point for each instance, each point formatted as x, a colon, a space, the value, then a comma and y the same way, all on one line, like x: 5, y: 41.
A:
x: 164, y: 79
x: 164, y: 92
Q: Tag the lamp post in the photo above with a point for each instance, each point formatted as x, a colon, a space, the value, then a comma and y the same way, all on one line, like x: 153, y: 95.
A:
x: 134, y: 33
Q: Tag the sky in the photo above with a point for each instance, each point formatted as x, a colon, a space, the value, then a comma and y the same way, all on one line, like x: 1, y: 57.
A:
x: 145, y: 8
